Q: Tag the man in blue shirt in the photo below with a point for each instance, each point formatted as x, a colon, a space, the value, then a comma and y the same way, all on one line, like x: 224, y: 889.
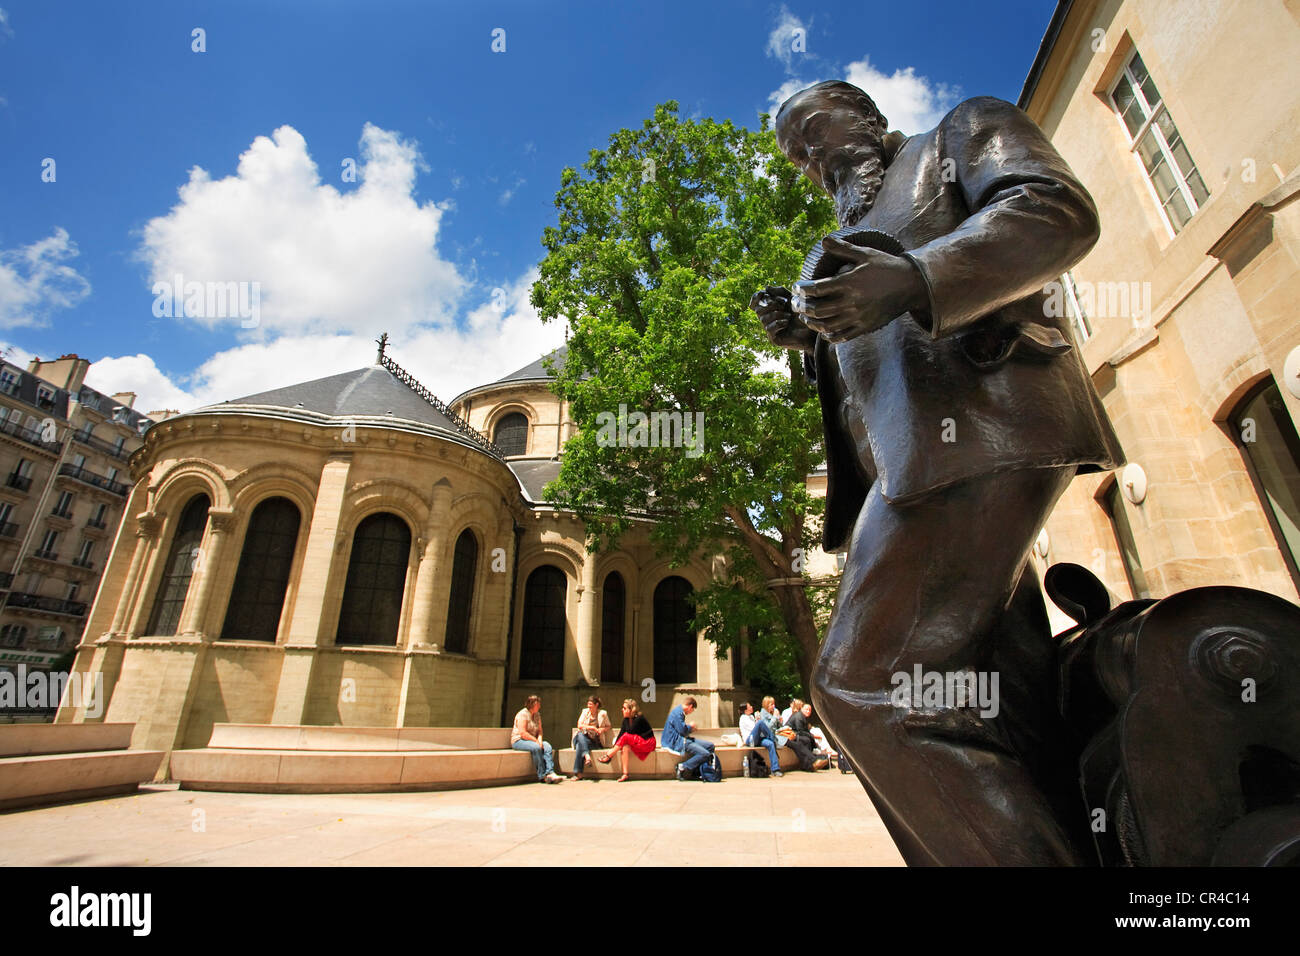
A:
x: 676, y: 738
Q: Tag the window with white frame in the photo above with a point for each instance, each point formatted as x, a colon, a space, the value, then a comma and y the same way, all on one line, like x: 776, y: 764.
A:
x: 1178, y: 186
x: 9, y: 381
x: 1074, y: 309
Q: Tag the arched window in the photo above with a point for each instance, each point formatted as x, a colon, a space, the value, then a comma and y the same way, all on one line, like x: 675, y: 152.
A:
x: 541, y: 650
x: 511, y: 434
x: 1263, y: 430
x: 612, y: 603
x: 675, y: 642
x: 372, y: 597
x: 179, y: 568
x: 257, y: 598
x: 462, y: 593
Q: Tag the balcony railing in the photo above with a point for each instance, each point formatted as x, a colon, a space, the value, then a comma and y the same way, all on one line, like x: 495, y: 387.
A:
x: 8, y: 529
x: 122, y: 453
x: 83, y: 562
x: 6, y: 580
x: 96, y: 523
x: 90, y: 478
x: 30, y: 435
x: 65, y: 513
x: 46, y: 555
x: 21, y: 482
x: 37, y: 602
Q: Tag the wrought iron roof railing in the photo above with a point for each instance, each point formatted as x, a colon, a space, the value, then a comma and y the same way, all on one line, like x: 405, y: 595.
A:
x: 462, y: 426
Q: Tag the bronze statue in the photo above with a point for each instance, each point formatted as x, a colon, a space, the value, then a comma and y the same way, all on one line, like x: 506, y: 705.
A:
x: 956, y: 412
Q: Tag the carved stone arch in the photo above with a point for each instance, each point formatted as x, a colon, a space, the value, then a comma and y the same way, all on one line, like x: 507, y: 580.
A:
x: 197, y: 473
x: 498, y: 412
x: 1223, y: 396
x: 285, y: 474
x: 387, y: 494
x: 551, y: 543
x: 652, y: 575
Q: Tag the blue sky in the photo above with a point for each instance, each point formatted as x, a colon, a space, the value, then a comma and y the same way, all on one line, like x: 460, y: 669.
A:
x: 226, y: 164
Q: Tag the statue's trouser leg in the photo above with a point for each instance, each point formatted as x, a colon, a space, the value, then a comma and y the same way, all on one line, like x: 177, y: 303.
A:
x: 929, y: 583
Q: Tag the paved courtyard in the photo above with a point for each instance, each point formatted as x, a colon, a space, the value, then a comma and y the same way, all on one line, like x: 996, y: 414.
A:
x: 822, y: 819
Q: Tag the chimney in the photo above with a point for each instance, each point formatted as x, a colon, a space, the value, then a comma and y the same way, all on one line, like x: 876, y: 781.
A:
x: 66, y: 372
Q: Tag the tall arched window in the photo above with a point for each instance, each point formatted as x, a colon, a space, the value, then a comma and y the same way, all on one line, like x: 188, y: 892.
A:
x: 675, y: 642
x: 1263, y: 430
x: 511, y: 434
x: 257, y: 598
x: 372, y: 597
x: 612, y: 604
x: 541, y: 649
x: 462, y: 592
x: 178, y: 570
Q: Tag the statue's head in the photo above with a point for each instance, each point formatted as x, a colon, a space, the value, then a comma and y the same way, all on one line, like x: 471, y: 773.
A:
x: 835, y: 134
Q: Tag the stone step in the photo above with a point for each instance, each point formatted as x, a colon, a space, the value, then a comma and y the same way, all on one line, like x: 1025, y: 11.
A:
x: 347, y: 771
x: 56, y: 778
x: 387, y: 739
x: 20, y: 740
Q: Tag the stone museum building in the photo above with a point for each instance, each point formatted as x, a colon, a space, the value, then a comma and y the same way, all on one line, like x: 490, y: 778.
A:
x: 353, y: 551
x: 1178, y: 117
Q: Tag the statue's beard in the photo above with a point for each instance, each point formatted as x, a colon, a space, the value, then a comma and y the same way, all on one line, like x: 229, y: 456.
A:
x: 854, y: 190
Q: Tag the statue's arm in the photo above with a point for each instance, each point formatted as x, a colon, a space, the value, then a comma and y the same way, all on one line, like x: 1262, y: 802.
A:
x: 1030, y: 220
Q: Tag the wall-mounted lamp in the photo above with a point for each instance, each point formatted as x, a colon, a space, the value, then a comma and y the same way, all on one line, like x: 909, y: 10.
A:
x: 1134, y: 482
x: 1291, y: 372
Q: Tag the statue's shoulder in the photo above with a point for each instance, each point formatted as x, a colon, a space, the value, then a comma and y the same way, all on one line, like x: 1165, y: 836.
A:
x: 980, y: 109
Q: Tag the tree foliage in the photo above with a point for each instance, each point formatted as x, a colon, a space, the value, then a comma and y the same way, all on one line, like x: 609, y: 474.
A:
x: 661, y: 240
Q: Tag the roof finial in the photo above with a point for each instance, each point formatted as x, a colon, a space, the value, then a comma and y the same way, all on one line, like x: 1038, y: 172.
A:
x: 382, y: 342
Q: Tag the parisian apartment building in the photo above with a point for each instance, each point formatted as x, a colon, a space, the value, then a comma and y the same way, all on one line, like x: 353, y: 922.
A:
x: 63, y: 484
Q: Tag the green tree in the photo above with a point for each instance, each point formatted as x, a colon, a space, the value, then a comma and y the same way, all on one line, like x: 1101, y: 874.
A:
x: 662, y: 239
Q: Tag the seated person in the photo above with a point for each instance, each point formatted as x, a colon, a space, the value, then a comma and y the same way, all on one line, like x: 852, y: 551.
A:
x: 593, y: 731
x: 526, y: 734
x: 821, y: 745
x: 635, y: 735
x: 756, y: 733
x: 769, y: 716
x: 677, y: 738
x: 802, y: 742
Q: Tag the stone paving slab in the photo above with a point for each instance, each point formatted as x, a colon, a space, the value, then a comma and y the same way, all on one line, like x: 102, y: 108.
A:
x: 802, y: 819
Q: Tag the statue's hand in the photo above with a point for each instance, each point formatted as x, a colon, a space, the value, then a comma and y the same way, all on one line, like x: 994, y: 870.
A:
x: 772, y: 305
x: 872, y: 290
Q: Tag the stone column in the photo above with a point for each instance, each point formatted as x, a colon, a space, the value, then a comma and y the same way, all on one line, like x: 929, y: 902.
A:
x: 588, y: 643
x: 425, y: 614
x: 146, y: 536
x: 193, y: 623
x: 306, y: 625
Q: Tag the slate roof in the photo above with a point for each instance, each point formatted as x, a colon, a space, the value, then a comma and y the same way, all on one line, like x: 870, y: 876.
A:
x: 535, y: 474
x: 534, y: 371
x: 365, y: 391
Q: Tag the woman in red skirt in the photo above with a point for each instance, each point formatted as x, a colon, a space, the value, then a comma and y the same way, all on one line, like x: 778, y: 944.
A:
x: 635, y: 735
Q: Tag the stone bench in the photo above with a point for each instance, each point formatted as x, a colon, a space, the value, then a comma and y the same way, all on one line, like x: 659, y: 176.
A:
x: 662, y: 764
x: 56, y: 763
x: 269, y: 758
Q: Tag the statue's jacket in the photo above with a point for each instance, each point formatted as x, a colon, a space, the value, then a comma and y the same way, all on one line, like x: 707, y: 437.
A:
x: 987, y: 379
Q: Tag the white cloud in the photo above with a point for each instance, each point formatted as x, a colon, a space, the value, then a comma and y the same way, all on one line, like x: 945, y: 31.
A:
x: 780, y: 42
x: 911, y: 103
x: 34, y: 281
x: 326, y: 262
x: 446, y: 359
x: 5, y: 28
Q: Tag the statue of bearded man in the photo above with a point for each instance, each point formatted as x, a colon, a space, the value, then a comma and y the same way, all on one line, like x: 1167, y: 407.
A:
x: 956, y: 411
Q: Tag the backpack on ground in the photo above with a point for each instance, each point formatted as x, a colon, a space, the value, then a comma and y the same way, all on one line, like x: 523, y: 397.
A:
x: 758, y: 766
x: 711, y: 770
